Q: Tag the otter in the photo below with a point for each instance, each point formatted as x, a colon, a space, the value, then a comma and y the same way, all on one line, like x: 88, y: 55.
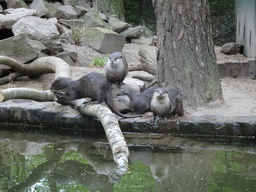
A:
x: 166, y: 102
x: 93, y: 85
x: 116, y: 68
x: 137, y: 102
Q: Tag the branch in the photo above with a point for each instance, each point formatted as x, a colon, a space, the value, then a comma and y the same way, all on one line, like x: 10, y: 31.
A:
x: 38, y: 67
x: 27, y: 93
x: 113, y: 132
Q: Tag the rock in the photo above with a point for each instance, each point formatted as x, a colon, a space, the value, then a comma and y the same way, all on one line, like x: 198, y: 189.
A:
x: 144, y: 40
x: 13, y: 15
x: 67, y: 38
x: 68, y: 11
x: 39, y: 29
x: 103, y: 17
x: 93, y: 19
x: 80, y: 10
x: 117, y: 25
x: 40, y: 7
x: 136, y: 32
x: 103, y: 40
x: 231, y: 48
x: 15, y: 3
x: 65, y: 56
x: 70, y: 50
x: 74, y: 23
x: 21, y: 48
x: 1, y: 9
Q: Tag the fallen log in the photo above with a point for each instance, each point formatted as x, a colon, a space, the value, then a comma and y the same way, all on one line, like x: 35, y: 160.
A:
x: 26, y: 93
x: 38, y: 67
x: 113, y: 132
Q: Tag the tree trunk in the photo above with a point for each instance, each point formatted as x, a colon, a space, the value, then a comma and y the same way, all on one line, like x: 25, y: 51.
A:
x: 185, y: 57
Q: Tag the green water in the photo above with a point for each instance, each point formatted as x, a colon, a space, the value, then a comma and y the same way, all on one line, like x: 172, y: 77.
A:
x: 46, y: 160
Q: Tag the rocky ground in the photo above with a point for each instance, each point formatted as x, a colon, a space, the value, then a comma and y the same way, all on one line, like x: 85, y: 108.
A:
x: 239, y: 93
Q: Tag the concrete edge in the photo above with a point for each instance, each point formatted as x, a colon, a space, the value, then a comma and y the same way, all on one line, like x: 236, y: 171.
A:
x: 55, y: 116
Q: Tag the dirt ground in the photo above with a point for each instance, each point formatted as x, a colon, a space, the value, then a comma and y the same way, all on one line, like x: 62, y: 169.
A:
x: 239, y: 93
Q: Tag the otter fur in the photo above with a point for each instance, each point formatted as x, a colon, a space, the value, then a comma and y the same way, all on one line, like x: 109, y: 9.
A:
x: 137, y: 102
x: 116, y: 68
x: 93, y: 85
x: 166, y: 102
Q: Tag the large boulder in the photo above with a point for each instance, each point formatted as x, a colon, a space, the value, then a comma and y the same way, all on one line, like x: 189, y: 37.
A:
x: 103, y: 40
x: 117, y: 25
x: 144, y: 41
x: 13, y: 15
x: 21, y: 48
x: 39, y: 29
x: 40, y: 7
x: 68, y: 11
x: 15, y: 3
x: 93, y: 19
x: 136, y: 32
x: 231, y: 48
x: 73, y: 23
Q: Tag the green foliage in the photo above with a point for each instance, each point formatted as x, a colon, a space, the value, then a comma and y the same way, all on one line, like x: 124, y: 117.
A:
x: 99, y: 61
x: 223, y: 21
x: 139, y: 178
x: 222, y: 17
x: 140, y: 13
x: 77, y: 33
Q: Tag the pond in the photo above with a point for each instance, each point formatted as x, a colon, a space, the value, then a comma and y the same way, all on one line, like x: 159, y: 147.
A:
x: 33, y: 159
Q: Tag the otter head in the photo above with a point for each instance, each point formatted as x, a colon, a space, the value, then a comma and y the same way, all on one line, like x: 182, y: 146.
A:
x: 115, y: 59
x: 124, y: 96
x: 161, y: 95
x: 62, y: 88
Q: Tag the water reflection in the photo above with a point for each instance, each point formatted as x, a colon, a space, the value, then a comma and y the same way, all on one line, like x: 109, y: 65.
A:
x: 47, y: 161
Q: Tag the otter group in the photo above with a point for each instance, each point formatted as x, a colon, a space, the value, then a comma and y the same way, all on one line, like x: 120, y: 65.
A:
x: 163, y: 102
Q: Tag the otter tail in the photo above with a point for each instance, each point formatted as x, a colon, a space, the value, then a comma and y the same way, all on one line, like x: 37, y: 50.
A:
x: 110, y: 103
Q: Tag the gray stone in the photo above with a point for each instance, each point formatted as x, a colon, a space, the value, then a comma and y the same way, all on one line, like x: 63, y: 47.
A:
x: 231, y: 48
x: 80, y: 10
x: 13, y: 15
x: 15, y: 3
x: 103, y: 17
x: 70, y: 50
x: 67, y: 38
x: 65, y: 56
x: 40, y: 7
x: 144, y: 41
x: 21, y: 48
x: 1, y: 9
x: 69, y: 11
x: 74, y: 23
x: 93, y: 19
x: 117, y: 25
x: 39, y: 29
x: 103, y: 40
x: 136, y: 32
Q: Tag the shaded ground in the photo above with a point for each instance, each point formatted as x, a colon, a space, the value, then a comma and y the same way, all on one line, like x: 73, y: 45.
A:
x: 239, y: 93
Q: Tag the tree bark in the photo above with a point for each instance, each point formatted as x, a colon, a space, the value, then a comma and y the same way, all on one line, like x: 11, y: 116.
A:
x: 185, y: 56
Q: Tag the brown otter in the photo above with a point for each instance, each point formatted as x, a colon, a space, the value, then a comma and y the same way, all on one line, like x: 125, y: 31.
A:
x: 93, y: 85
x: 137, y: 102
x: 166, y: 102
x: 116, y: 68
